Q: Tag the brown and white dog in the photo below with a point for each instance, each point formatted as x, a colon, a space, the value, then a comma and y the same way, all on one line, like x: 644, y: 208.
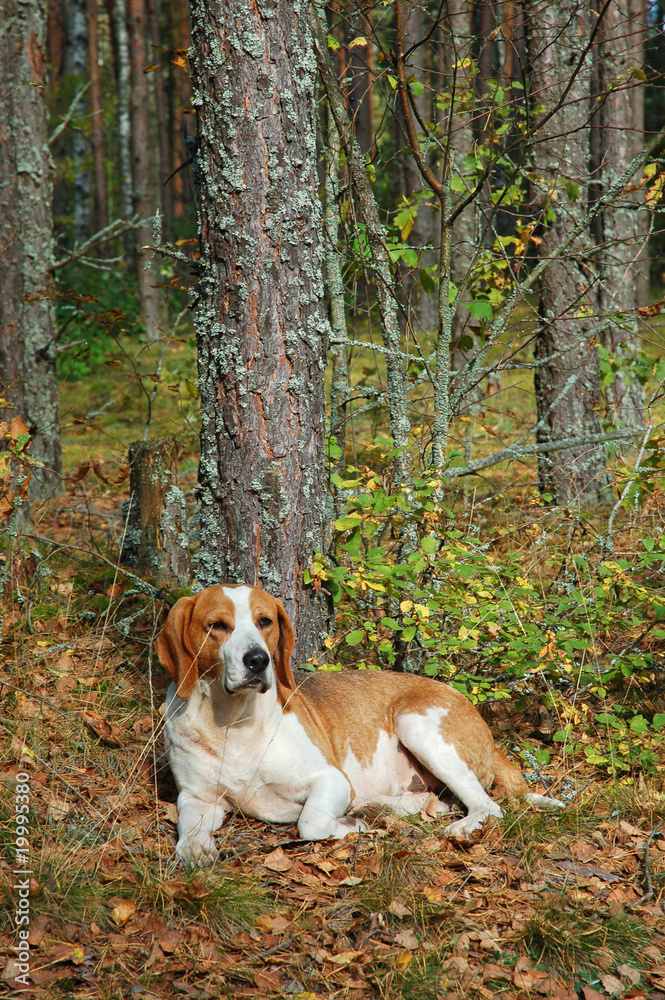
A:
x: 240, y: 733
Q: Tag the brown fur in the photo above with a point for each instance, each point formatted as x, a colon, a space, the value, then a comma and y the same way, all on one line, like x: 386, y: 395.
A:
x: 187, y: 648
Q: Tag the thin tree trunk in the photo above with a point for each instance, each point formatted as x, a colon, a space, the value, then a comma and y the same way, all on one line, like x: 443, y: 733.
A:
x: 54, y: 36
x: 124, y: 123
x: 396, y: 383
x: 144, y: 202
x: 420, y: 309
x: 359, y: 88
x: 165, y: 168
x: 97, y: 131
x: 339, y: 389
x: 76, y: 67
x: 568, y: 388
x: 27, y: 345
x: 620, y: 128
x: 261, y: 325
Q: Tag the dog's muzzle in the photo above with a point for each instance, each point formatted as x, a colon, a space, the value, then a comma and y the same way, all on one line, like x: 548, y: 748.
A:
x: 256, y: 662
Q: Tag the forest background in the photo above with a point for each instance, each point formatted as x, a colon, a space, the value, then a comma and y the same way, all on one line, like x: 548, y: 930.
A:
x: 417, y: 249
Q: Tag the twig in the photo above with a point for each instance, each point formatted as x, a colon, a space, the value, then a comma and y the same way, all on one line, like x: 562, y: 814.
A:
x: 143, y: 585
x: 513, y: 453
x: 70, y: 114
x: 607, y: 540
x: 647, y: 870
x: 115, y: 228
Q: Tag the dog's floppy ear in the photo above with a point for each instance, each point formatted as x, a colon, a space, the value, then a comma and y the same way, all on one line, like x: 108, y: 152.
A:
x: 286, y: 683
x: 174, y: 647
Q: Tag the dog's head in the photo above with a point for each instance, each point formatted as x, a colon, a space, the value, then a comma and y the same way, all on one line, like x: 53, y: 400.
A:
x: 239, y: 635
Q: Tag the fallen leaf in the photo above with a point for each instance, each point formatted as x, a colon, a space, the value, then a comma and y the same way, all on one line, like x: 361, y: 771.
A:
x: 351, y: 880
x: 277, y: 861
x: 587, y: 871
x: 628, y: 972
x: 398, y: 909
x: 407, y: 939
x: 110, y: 735
x: 631, y: 830
x: 156, y: 955
x: 57, y: 809
x: 493, y: 971
x: 583, y: 851
x: 346, y: 957
x: 589, y: 993
x: 121, y: 913
x: 611, y: 984
x: 169, y: 941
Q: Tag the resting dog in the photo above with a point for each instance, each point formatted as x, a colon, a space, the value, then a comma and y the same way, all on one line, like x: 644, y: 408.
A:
x: 240, y: 733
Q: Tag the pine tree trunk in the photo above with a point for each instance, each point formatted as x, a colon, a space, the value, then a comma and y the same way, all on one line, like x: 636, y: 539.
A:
x: 27, y: 346
x: 261, y: 325
x: 144, y: 203
x: 620, y: 126
x: 165, y: 168
x: 567, y: 384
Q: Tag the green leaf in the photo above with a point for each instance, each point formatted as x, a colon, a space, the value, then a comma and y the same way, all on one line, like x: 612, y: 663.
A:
x: 409, y: 633
x: 659, y: 721
x: 332, y: 43
x: 429, y: 545
x: 426, y: 281
x: 390, y: 623
x: 355, y: 637
x: 480, y: 309
x: 639, y: 724
x: 417, y: 88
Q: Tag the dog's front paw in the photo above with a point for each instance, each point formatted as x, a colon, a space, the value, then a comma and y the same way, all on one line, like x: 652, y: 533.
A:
x: 196, y: 852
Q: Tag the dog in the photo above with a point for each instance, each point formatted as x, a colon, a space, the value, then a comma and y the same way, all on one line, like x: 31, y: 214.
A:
x: 240, y: 733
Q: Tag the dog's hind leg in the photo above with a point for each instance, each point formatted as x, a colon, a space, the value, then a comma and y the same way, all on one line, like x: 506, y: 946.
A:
x: 421, y: 735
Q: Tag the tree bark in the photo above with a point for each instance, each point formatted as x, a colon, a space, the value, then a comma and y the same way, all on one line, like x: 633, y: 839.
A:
x: 27, y: 346
x: 163, y: 119
x: 261, y: 325
x: 567, y: 388
x: 156, y: 539
x: 144, y: 202
x: 76, y: 67
x: 619, y: 125
x: 97, y: 131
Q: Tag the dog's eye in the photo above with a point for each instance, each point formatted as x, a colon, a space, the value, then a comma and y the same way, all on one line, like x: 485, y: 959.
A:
x: 264, y: 622
x: 220, y: 626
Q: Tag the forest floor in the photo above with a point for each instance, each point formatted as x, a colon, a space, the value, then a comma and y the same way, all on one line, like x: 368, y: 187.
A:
x: 539, y: 905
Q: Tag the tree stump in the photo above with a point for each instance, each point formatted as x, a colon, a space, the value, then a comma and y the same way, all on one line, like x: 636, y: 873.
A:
x: 156, y: 540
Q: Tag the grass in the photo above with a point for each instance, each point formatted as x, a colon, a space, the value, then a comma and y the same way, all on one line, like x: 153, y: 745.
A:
x: 575, y: 938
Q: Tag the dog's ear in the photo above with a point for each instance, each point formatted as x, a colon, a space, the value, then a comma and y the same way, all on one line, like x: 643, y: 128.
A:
x: 286, y: 683
x: 174, y: 647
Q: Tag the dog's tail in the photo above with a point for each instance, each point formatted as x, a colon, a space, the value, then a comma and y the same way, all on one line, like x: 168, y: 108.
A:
x: 510, y: 781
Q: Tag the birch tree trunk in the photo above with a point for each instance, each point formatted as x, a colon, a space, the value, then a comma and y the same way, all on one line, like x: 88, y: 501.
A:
x: 568, y: 386
x: 27, y: 346
x: 76, y: 66
x: 124, y: 121
x: 97, y: 131
x: 261, y: 325
x: 620, y: 126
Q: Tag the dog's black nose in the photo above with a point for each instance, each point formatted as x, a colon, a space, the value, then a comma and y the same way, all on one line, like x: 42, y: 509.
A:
x: 256, y: 660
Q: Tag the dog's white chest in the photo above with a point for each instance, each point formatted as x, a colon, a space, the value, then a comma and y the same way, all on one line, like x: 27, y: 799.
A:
x: 263, y: 766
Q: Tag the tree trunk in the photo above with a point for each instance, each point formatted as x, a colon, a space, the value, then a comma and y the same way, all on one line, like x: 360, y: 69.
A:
x: 567, y: 384
x: 163, y: 119
x: 156, y: 539
x: 420, y: 309
x: 620, y: 127
x: 261, y: 325
x: 97, y: 131
x: 144, y: 202
x: 76, y: 67
x: 124, y: 122
x: 27, y: 346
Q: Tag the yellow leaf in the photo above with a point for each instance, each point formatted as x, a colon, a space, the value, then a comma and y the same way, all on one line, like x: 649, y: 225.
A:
x: 360, y: 40
x: 329, y: 642
x: 463, y: 632
x: 405, y: 606
x: 121, y: 913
